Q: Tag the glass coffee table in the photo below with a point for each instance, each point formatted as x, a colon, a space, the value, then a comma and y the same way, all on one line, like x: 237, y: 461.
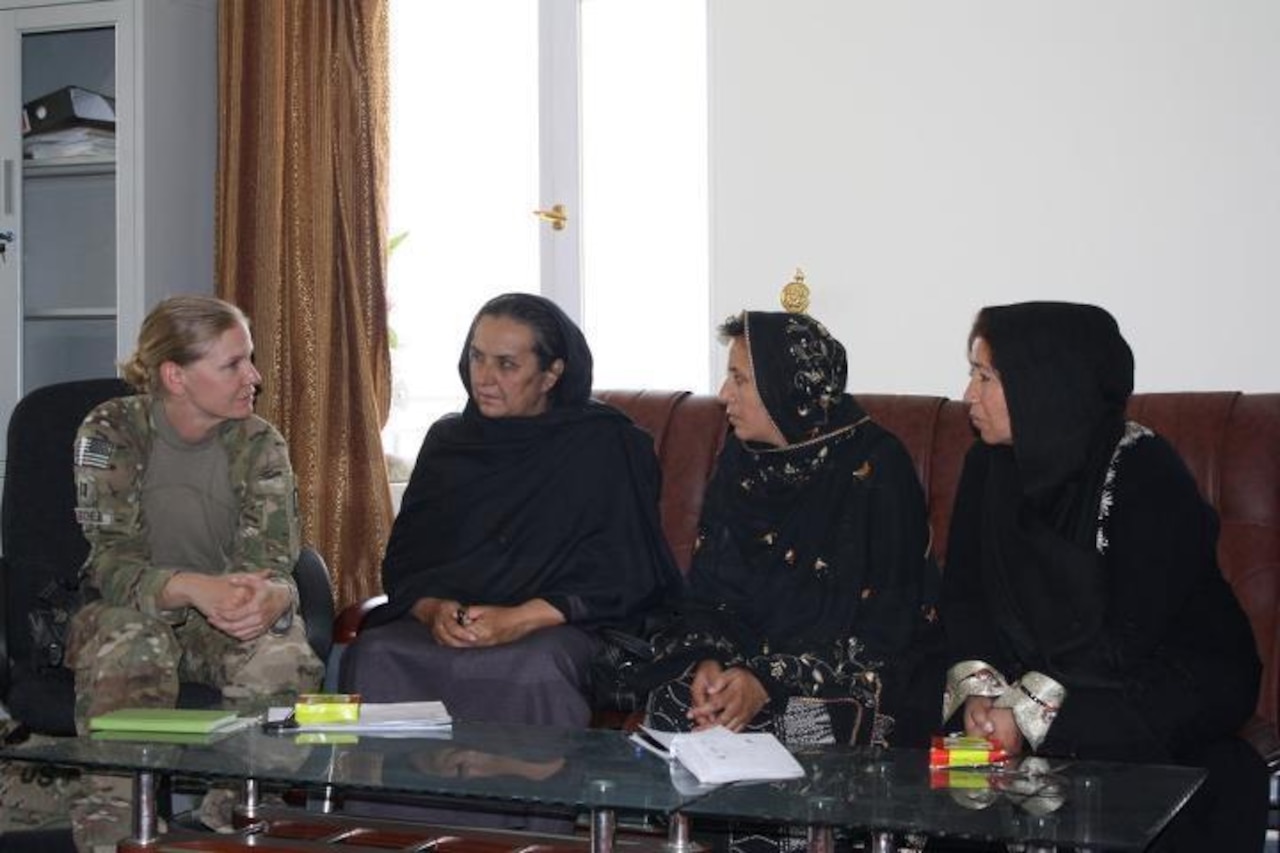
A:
x: 865, y: 792
x: 1037, y: 803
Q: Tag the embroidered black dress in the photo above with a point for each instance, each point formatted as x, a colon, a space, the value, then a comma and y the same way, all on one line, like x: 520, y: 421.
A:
x: 812, y: 565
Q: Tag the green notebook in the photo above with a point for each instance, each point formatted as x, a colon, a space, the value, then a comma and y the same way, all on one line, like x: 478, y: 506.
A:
x: 181, y: 720
x: 197, y: 738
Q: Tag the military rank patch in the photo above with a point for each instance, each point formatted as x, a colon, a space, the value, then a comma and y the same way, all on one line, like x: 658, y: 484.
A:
x: 91, y: 517
x: 93, y: 452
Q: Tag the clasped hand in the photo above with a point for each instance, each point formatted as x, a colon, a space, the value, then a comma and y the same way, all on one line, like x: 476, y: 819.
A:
x: 242, y: 605
x: 724, y: 697
x: 459, y: 625
x: 983, y: 719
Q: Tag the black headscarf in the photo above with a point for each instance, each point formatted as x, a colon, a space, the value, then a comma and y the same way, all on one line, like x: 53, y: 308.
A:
x: 560, y: 506
x: 769, y: 546
x: 1067, y: 374
x: 555, y: 336
x: 800, y: 371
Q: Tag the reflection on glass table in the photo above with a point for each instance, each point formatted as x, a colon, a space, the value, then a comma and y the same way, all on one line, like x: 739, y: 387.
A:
x: 591, y: 770
x: 1035, y: 802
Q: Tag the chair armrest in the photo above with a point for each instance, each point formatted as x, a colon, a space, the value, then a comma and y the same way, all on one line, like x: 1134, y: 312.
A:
x: 347, y: 626
x: 5, y: 568
x: 315, y: 600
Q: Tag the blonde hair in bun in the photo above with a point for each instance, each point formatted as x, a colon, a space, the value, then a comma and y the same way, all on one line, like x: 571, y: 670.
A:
x: 179, y: 329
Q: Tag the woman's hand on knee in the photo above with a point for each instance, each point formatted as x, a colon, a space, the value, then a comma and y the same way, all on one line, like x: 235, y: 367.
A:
x: 206, y: 593
x: 724, y: 697
x: 734, y: 699
x: 495, y: 626
x: 983, y: 719
x: 256, y: 601
x: 449, y: 621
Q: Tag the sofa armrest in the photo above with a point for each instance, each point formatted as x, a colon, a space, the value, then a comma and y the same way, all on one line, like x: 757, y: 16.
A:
x: 1261, y: 735
x: 347, y: 626
x: 627, y: 721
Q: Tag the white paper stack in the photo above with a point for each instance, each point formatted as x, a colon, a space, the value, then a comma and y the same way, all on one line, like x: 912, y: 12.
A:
x: 93, y: 142
x: 377, y: 717
x: 716, y: 756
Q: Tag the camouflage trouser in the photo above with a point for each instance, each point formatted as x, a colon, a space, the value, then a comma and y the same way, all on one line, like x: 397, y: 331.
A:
x: 93, y: 808
x: 122, y: 657
x: 35, y: 796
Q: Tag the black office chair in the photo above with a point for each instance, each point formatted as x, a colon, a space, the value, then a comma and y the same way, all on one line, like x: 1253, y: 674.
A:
x: 43, y: 551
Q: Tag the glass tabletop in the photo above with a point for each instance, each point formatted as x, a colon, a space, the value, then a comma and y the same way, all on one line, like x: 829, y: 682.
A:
x: 1079, y: 803
x: 1038, y: 801
x: 589, y: 768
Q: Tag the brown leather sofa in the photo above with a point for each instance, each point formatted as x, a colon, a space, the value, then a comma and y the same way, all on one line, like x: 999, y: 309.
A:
x: 1230, y: 441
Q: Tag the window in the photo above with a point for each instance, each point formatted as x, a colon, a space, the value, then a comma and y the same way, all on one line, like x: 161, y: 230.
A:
x: 476, y: 142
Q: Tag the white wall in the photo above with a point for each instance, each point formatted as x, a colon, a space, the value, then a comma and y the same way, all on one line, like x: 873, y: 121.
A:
x: 922, y: 159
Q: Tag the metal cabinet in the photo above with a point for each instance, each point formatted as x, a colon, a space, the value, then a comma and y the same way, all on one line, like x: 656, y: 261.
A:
x: 91, y: 239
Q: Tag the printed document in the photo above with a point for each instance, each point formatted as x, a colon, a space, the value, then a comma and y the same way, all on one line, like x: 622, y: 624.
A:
x: 716, y: 756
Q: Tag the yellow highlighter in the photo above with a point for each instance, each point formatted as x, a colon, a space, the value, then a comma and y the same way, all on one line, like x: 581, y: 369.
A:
x: 327, y: 708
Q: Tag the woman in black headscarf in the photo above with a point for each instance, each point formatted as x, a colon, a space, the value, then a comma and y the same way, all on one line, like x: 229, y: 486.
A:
x: 530, y: 522
x: 809, y: 611
x: 1085, y: 612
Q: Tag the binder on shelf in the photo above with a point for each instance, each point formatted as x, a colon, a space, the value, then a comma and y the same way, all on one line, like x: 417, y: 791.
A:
x: 70, y: 106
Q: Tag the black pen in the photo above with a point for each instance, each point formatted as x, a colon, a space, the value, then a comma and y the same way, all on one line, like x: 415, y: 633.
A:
x: 643, y: 739
x: 282, y: 725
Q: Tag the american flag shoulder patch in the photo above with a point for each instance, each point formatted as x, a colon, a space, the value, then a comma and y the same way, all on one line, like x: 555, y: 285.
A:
x: 93, y: 452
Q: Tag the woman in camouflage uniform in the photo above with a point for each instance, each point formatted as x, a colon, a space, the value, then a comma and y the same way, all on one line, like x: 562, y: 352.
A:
x: 188, y: 501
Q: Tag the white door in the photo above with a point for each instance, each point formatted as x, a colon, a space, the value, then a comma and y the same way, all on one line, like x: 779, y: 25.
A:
x: 560, y: 148
x: 644, y: 221
x: 559, y: 151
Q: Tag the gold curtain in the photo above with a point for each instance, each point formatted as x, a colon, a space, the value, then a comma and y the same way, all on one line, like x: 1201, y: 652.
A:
x: 302, y: 234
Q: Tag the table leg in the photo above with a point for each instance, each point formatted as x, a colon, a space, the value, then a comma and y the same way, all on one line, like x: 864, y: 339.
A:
x: 882, y: 842
x: 252, y: 800
x: 323, y: 800
x: 603, y: 824
x: 678, y: 840
x: 145, y: 823
x: 822, y: 839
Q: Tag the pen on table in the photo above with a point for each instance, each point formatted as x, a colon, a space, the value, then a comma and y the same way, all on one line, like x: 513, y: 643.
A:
x: 643, y: 740
x: 283, y: 724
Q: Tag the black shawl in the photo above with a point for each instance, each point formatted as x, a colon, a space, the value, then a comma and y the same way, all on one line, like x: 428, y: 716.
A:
x: 561, y: 506
x: 1067, y: 374
x: 1085, y: 552
x: 812, y: 566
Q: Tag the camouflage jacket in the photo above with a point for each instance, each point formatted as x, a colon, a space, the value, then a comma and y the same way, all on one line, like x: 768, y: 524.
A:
x: 111, y: 452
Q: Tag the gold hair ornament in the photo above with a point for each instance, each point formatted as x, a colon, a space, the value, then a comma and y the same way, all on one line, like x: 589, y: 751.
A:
x: 795, y: 294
